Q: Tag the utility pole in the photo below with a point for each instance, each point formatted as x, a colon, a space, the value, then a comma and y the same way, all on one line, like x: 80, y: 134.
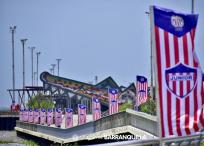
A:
x: 34, y: 78
x: 32, y: 49
x: 192, y: 6
x: 53, y: 67
x: 58, y: 67
x: 51, y: 71
x: 38, y: 53
x: 13, y: 29
x: 23, y: 44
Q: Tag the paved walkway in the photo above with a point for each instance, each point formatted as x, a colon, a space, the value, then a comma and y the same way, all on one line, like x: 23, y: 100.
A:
x: 9, y: 136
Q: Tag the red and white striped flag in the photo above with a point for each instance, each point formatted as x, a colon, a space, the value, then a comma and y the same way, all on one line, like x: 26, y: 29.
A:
x: 36, y: 116
x: 50, y: 116
x: 20, y: 115
x: 96, y: 108
x: 25, y: 115
x: 68, y: 118
x: 178, y: 74
x: 113, y: 101
x: 30, y: 116
x: 58, y: 117
x: 81, y: 114
x: 203, y: 85
x: 43, y: 116
x: 141, y: 90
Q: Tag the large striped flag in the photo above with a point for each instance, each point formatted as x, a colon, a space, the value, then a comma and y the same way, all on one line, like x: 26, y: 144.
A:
x: 36, y: 116
x: 96, y: 108
x: 113, y: 100
x: 141, y: 90
x: 178, y: 75
x: 43, y: 116
x: 58, y: 117
x: 81, y: 114
x: 50, y: 116
x: 68, y: 117
x: 30, y: 118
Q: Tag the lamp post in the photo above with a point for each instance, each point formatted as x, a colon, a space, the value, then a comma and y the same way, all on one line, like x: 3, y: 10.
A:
x: 32, y: 49
x: 23, y: 44
x: 34, y: 78
x: 13, y: 29
x: 53, y: 67
x: 38, y: 53
x: 58, y: 61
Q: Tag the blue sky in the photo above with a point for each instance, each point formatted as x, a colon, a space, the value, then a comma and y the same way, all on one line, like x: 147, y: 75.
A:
x: 93, y: 37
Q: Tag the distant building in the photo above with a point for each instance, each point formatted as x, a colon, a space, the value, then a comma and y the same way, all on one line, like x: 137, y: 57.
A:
x: 68, y: 92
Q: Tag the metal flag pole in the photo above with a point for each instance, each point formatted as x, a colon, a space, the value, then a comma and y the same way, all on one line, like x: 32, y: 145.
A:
x: 156, y: 83
x: 192, y: 6
x: 38, y: 54
x: 23, y: 44
x: 13, y: 29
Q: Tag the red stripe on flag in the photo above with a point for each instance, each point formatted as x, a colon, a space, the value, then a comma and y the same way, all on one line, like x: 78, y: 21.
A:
x: 178, y: 129
x: 195, y: 124
x: 159, y: 77
x: 178, y: 108
x: 187, y: 100
x: 167, y: 52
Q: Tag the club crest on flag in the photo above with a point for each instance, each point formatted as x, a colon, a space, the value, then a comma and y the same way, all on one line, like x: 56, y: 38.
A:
x: 177, y: 22
x: 181, y: 75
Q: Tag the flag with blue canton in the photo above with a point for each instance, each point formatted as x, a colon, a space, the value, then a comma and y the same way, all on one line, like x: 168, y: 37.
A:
x: 36, y: 116
x: 141, y: 90
x: 178, y: 74
x: 81, y: 114
x: 68, y: 117
x: 30, y: 118
x: 113, y: 100
x: 43, y: 116
x: 58, y: 117
x: 50, y: 116
x: 96, y: 108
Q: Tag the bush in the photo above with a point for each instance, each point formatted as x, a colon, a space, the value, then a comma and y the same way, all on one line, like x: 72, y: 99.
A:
x: 39, y: 101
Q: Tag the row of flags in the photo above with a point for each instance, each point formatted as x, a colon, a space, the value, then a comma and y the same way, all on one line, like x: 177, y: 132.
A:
x: 178, y: 74
x: 43, y: 117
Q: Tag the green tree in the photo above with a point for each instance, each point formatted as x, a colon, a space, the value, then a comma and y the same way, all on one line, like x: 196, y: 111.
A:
x: 40, y: 101
x: 149, y: 107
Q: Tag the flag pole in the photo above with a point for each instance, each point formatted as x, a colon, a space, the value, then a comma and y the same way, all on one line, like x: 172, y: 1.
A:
x: 155, y: 69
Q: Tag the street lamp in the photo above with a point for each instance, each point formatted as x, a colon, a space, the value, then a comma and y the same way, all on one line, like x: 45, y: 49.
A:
x: 58, y: 61
x: 32, y: 48
x: 38, y: 53
x: 13, y: 29
x: 53, y: 67
x: 23, y: 44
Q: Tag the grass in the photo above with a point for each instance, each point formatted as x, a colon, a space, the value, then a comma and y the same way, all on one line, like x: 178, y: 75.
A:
x: 30, y: 143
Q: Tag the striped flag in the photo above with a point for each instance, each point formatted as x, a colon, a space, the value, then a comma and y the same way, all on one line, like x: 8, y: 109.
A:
x: 30, y: 118
x: 113, y: 100
x: 25, y: 115
x: 96, y: 108
x: 43, y: 116
x: 36, y: 116
x: 141, y: 90
x: 58, y: 117
x: 68, y: 118
x: 178, y: 74
x: 21, y: 115
x: 203, y: 85
x: 81, y: 114
x: 49, y: 117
